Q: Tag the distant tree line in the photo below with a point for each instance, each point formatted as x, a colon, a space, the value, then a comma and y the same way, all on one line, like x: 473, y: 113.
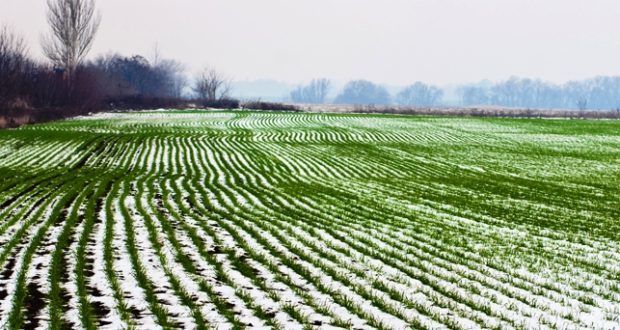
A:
x: 367, y: 92
x: 596, y: 93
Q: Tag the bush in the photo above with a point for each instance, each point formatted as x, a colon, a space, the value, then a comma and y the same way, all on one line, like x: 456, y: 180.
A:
x: 269, y: 106
x: 226, y: 103
x: 140, y: 102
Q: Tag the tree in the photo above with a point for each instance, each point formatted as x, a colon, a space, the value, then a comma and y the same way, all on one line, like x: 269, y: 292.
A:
x: 419, y: 94
x: 74, y: 25
x: 135, y: 76
x: 582, y: 104
x: 210, y: 85
x: 363, y: 92
x: 14, y: 64
x: 474, y: 95
x: 315, y: 92
x: 172, y: 75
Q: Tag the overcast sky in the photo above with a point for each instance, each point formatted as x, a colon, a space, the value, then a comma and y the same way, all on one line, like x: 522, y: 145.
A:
x: 388, y: 41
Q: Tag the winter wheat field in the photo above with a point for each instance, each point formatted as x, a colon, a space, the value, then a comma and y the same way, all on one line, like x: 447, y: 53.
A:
x: 197, y: 219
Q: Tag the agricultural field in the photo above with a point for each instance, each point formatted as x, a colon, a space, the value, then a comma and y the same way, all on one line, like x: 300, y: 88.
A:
x: 222, y: 220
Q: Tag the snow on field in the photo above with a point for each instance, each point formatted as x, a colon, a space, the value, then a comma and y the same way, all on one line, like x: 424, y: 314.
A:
x: 222, y: 219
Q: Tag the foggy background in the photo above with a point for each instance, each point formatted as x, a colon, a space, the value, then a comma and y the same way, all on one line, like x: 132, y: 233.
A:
x: 270, y: 46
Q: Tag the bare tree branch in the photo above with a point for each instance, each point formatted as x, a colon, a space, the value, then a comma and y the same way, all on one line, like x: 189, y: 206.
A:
x: 211, y: 85
x: 313, y: 93
x: 74, y: 24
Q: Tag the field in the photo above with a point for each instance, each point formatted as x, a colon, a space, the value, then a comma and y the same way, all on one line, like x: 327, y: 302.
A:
x: 290, y: 220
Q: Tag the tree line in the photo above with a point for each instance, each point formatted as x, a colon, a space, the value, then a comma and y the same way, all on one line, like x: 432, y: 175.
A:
x: 67, y: 82
x: 596, y: 93
x: 367, y: 92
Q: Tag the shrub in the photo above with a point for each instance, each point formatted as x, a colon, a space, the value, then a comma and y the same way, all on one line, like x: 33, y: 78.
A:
x: 226, y: 103
x: 258, y: 105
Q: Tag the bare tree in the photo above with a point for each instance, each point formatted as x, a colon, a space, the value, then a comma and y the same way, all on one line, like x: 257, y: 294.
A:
x: 363, y: 92
x: 155, y: 55
x: 315, y: 92
x: 419, y: 94
x: 321, y: 88
x: 74, y: 24
x: 172, y: 74
x: 211, y: 85
x: 582, y: 104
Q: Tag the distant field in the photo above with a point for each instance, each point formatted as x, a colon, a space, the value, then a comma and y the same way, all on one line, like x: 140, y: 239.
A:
x: 245, y: 219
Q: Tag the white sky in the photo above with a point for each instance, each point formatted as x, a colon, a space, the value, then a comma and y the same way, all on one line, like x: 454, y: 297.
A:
x: 388, y: 41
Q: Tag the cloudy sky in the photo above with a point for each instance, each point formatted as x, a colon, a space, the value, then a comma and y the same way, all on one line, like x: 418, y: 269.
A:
x: 388, y: 41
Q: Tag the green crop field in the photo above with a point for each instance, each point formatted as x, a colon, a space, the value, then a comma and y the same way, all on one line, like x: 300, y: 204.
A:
x: 198, y: 219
